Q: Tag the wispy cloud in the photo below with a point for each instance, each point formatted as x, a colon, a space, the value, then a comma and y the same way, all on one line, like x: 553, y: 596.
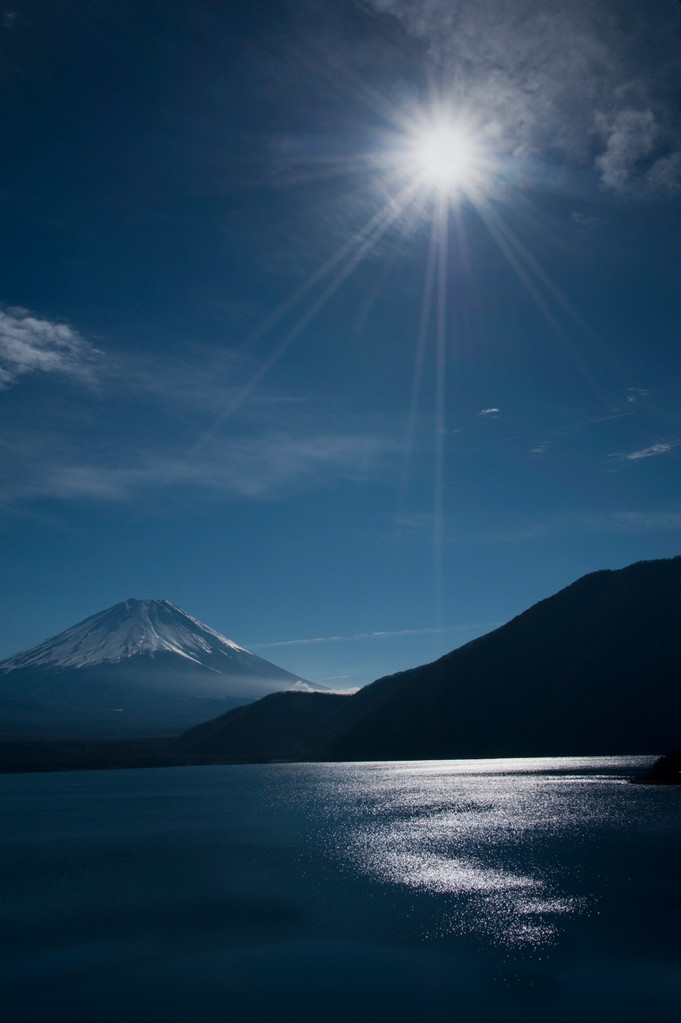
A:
x: 626, y: 521
x: 601, y: 419
x: 170, y: 439
x: 646, y: 522
x: 652, y: 452
x: 303, y: 687
x: 585, y: 220
x: 353, y: 637
x: 636, y: 394
x: 252, y: 467
x: 491, y: 412
x: 630, y: 164
x: 29, y: 344
x: 630, y: 136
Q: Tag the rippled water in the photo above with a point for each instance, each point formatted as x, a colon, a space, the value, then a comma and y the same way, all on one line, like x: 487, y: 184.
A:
x: 450, y: 890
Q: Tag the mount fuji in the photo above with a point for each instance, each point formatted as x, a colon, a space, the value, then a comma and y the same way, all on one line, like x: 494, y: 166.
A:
x: 142, y: 667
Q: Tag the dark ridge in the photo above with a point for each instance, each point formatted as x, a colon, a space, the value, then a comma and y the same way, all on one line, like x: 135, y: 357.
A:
x: 665, y: 771
x: 595, y: 669
x: 278, y: 728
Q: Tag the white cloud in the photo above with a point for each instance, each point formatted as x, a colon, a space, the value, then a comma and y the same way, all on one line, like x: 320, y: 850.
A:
x: 651, y: 452
x: 489, y: 412
x: 29, y: 344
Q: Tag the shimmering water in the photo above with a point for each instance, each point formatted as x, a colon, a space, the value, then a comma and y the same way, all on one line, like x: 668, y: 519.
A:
x: 449, y: 890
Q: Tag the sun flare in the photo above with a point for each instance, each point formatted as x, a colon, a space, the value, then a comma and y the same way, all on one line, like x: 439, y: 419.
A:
x: 443, y: 154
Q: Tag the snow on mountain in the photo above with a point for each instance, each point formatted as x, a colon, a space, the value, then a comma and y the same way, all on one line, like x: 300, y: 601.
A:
x: 127, y: 630
x: 142, y: 667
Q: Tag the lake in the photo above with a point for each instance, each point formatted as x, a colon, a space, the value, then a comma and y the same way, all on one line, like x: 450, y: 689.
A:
x: 447, y: 890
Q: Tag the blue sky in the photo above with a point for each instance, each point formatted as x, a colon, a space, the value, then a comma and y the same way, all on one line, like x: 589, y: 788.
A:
x: 258, y: 356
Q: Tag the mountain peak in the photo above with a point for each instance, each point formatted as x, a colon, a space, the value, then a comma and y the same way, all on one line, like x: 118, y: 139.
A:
x: 132, y: 628
x: 141, y: 667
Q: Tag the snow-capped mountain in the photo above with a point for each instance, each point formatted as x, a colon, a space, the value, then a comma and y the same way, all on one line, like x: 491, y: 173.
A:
x: 142, y: 666
x: 127, y: 630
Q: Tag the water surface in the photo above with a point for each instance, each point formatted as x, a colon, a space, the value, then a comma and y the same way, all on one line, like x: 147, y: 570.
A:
x: 449, y: 890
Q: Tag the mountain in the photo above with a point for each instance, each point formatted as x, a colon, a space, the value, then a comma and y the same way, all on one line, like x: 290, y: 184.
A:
x: 594, y: 669
x: 278, y: 727
x: 140, y: 667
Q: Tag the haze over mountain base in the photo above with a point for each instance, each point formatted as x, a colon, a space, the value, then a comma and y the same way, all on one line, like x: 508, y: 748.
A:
x: 140, y: 668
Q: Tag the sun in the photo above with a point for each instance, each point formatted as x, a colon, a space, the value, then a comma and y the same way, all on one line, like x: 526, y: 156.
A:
x: 444, y: 156
x: 443, y: 151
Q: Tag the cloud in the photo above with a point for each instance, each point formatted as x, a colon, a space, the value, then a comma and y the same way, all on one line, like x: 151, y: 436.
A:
x: 631, y: 136
x: 256, y: 467
x: 627, y: 521
x: 585, y: 220
x: 646, y: 522
x: 493, y: 412
x: 304, y: 687
x: 599, y: 419
x: 353, y: 637
x: 636, y: 394
x: 651, y: 452
x: 631, y: 163
x: 664, y: 177
x: 29, y: 345
x: 174, y: 437
x: 589, y: 84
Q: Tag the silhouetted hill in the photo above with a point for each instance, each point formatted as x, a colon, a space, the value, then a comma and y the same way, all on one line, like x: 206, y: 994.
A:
x: 665, y: 771
x: 595, y: 669
x: 278, y: 727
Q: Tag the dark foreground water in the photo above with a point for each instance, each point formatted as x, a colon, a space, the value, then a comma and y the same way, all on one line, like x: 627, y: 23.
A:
x: 538, y: 890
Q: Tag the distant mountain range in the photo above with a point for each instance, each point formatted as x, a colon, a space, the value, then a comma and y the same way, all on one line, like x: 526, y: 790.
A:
x: 595, y: 669
x: 142, y: 667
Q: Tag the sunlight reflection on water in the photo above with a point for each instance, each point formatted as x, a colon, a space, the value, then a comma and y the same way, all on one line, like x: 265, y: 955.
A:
x: 468, y: 829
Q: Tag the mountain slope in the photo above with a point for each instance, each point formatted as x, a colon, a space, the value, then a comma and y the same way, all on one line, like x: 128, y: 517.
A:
x: 278, y: 727
x: 596, y: 668
x: 126, y: 630
x: 140, y: 667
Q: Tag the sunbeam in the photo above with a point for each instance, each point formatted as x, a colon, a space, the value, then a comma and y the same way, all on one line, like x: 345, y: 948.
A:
x: 442, y: 214
x: 354, y: 252
x: 524, y: 266
x: 419, y: 357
